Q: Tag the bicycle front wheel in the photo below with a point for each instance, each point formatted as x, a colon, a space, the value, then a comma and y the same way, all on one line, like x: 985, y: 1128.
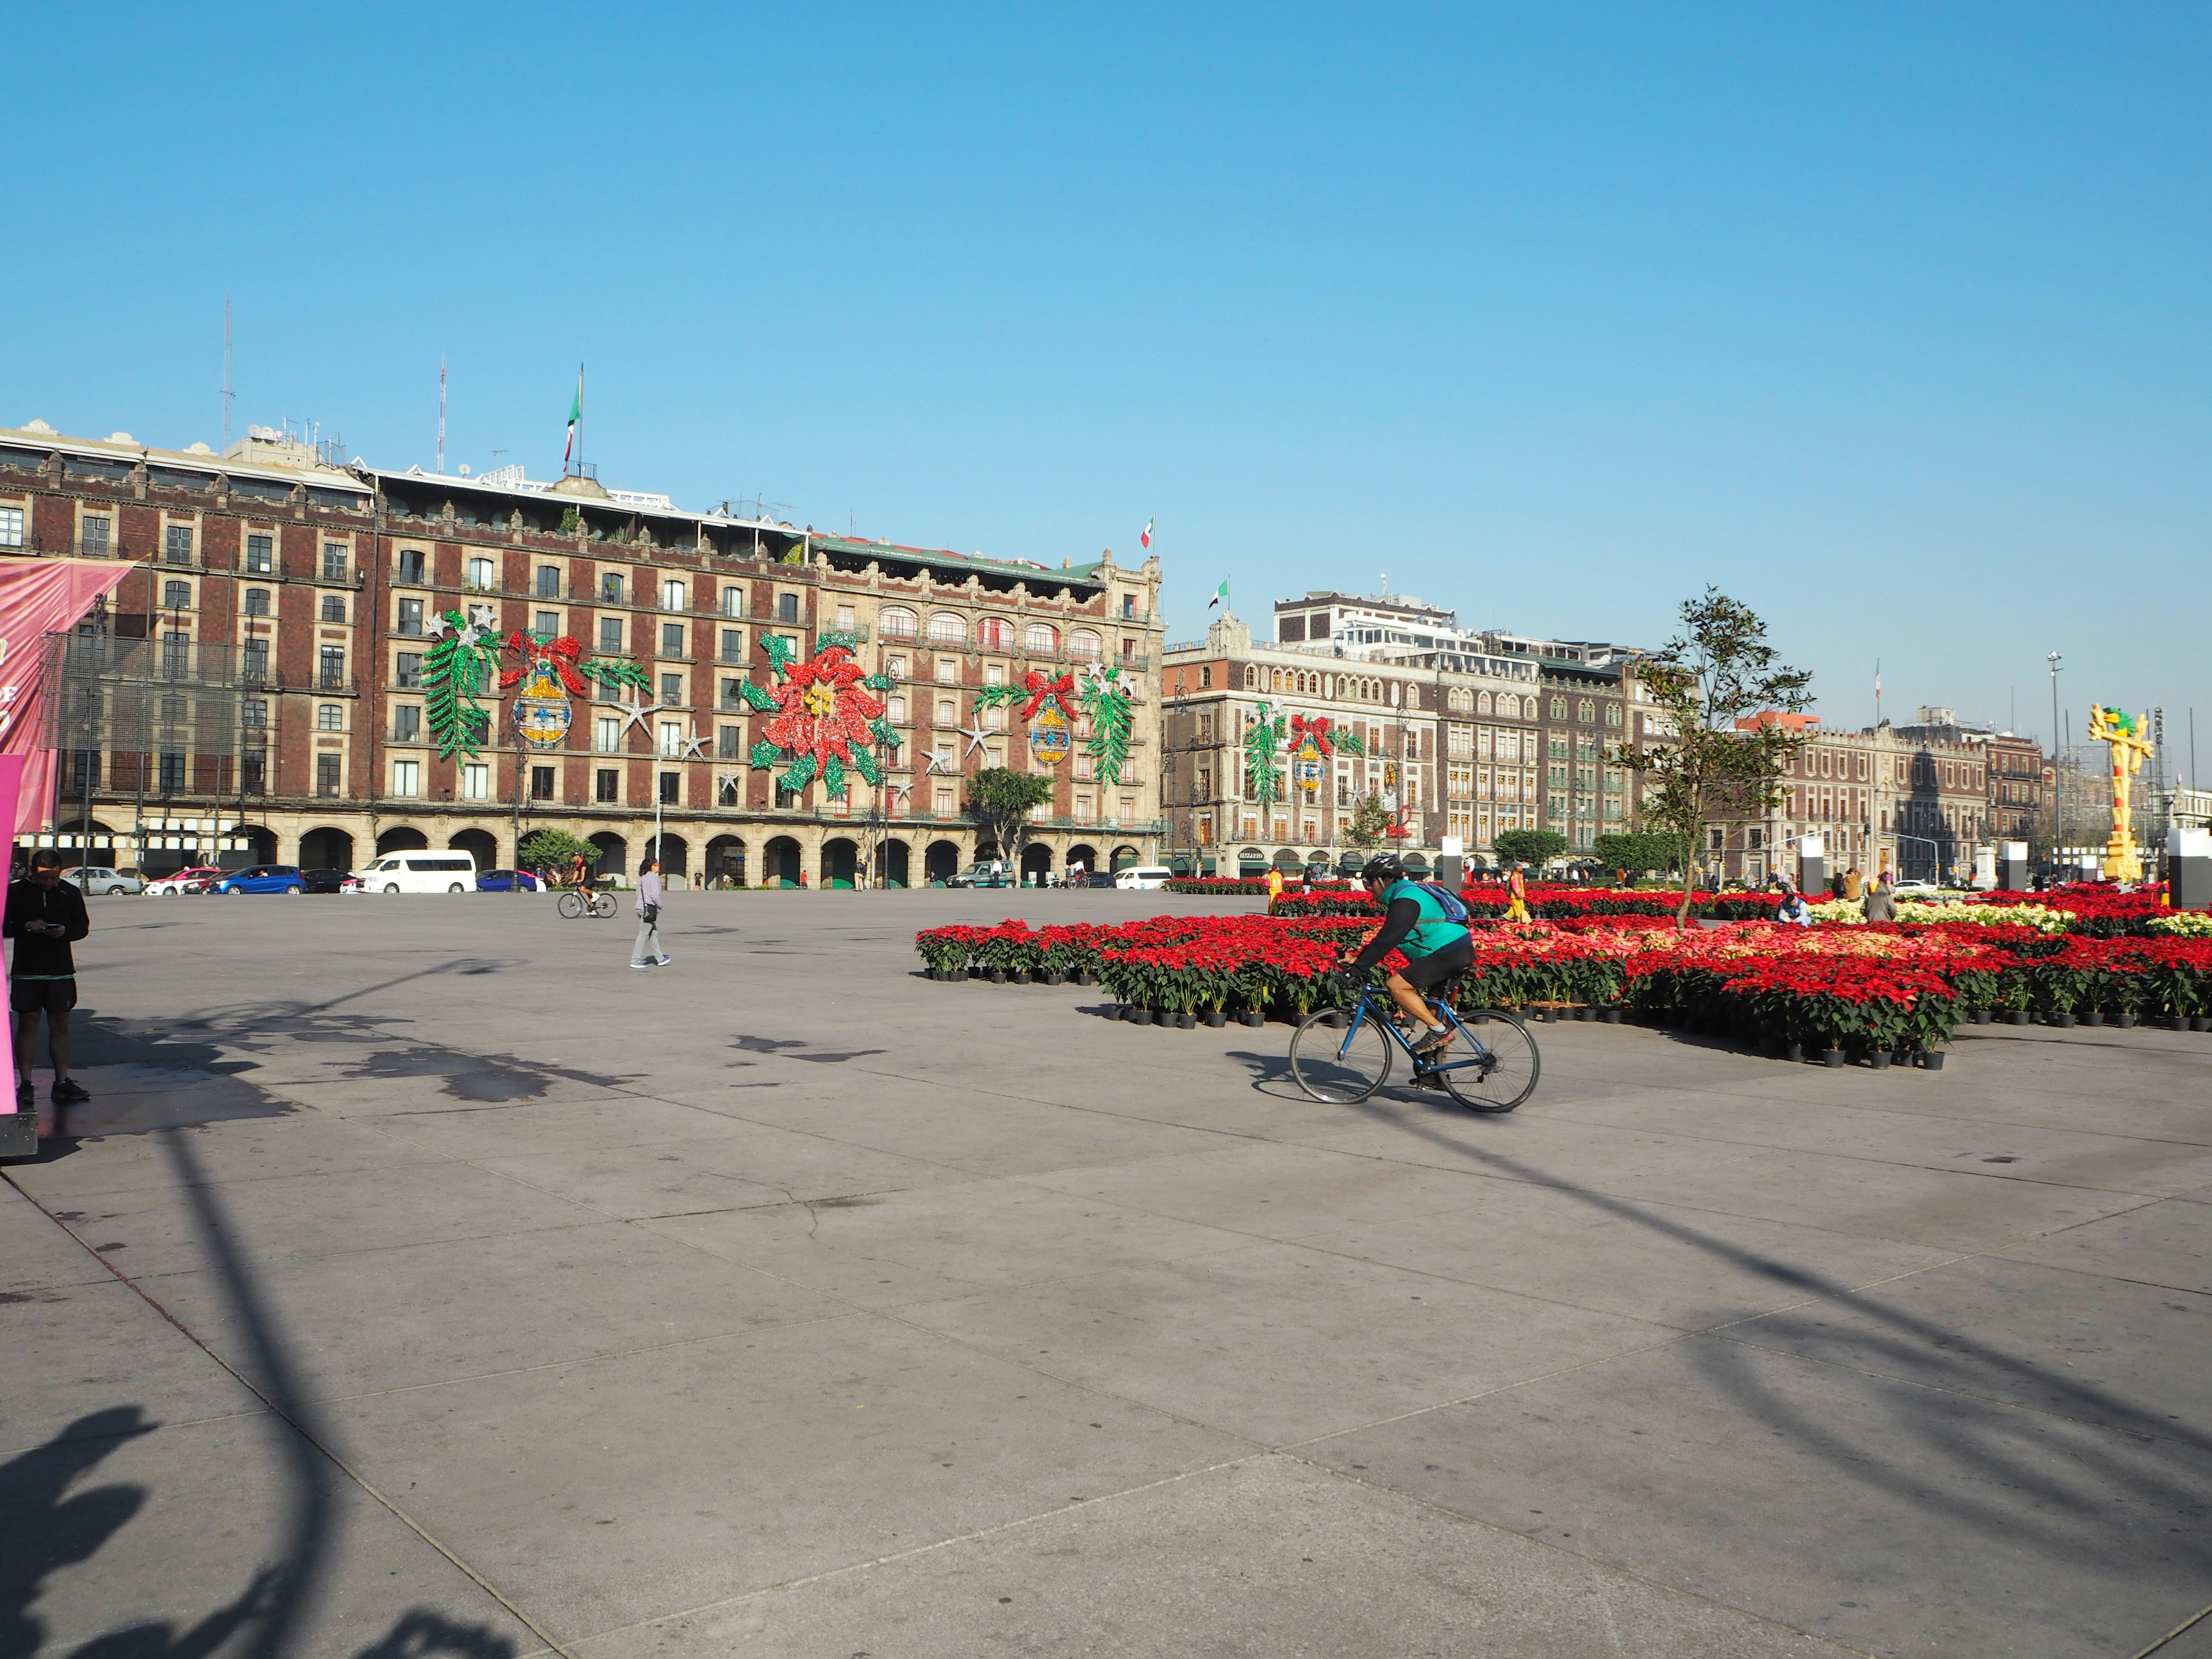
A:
x: 570, y: 905
x: 1336, y: 1062
x: 603, y: 905
x: 1510, y: 1070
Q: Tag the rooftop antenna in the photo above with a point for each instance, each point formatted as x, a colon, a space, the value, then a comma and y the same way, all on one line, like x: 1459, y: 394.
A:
x: 227, y: 394
x: 441, y: 417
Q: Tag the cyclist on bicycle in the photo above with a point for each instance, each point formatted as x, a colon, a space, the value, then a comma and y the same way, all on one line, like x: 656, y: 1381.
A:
x: 580, y: 873
x: 1429, y: 924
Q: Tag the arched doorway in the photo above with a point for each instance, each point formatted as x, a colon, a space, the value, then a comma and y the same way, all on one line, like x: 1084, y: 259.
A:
x: 1251, y: 862
x: 891, y: 862
x: 1288, y: 862
x: 401, y: 839
x: 986, y: 849
x: 326, y: 849
x: 1126, y: 856
x: 260, y: 849
x: 838, y: 858
x: 1037, y: 860
x: 1085, y: 854
x: 725, y: 862
x: 479, y: 844
x: 1416, y: 866
x: 941, y: 862
x: 614, y: 853
x: 673, y: 853
x: 779, y: 864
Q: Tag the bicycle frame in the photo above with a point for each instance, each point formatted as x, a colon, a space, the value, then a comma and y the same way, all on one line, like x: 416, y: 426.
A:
x: 1365, y: 1006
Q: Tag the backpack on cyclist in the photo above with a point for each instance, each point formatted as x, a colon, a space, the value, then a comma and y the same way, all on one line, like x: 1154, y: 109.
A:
x: 1455, y: 911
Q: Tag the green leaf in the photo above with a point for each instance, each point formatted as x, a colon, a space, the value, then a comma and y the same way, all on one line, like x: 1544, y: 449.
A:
x: 884, y: 733
x: 833, y: 778
x: 757, y: 696
x: 864, y: 763
x: 1349, y: 742
x: 879, y: 682
x: 835, y: 638
x: 778, y: 652
x: 798, y: 775
x: 767, y: 755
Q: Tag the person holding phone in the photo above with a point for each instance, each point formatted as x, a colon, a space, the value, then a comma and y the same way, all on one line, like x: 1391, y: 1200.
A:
x: 45, y: 915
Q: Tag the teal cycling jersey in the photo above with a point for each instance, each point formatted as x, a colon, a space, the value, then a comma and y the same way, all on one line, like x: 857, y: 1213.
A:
x: 1437, y: 930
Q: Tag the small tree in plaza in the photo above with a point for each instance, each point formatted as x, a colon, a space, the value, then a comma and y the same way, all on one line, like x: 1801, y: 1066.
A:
x: 552, y: 850
x: 1369, y: 820
x: 1001, y: 800
x: 1717, y: 671
x: 1532, y: 847
x: 1633, y: 851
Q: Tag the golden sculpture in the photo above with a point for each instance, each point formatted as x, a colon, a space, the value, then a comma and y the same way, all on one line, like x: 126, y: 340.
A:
x: 2122, y: 733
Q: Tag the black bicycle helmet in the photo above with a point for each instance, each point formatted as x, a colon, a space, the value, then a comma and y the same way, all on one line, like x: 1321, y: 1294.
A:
x: 1382, y: 867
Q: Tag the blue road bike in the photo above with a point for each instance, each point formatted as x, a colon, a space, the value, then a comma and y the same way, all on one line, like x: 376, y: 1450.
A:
x: 1342, y: 1056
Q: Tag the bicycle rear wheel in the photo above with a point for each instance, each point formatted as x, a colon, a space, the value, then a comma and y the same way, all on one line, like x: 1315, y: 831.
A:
x: 1335, y: 1064
x: 603, y: 905
x: 570, y: 905
x: 1508, y: 1078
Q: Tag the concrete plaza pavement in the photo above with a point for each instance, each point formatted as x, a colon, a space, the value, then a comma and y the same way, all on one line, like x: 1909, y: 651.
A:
x: 424, y: 1281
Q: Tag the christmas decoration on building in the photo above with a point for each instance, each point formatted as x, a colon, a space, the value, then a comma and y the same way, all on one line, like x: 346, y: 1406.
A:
x: 1262, y: 738
x: 463, y: 662
x: 1046, y: 712
x: 1105, y: 697
x: 826, y: 717
x: 1313, y: 745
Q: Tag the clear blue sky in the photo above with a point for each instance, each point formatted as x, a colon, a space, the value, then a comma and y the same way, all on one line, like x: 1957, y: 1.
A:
x: 1891, y: 321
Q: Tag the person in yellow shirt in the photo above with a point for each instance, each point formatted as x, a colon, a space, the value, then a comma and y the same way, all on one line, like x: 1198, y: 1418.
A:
x: 1274, y: 887
x: 1516, y: 894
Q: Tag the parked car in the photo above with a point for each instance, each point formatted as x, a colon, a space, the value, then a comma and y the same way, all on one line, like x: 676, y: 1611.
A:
x: 978, y: 874
x: 418, y: 871
x: 1919, y: 890
x: 95, y: 879
x: 194, y: 880
x: 284, y: 878
x: 502, y: 881
x: 326, y: 881
x: 1143, y: 877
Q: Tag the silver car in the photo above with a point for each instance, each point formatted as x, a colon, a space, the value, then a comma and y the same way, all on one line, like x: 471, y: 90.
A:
x: 95, y: 878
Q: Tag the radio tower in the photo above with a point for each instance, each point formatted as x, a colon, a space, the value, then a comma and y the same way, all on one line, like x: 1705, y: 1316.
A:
x: 441, y: 417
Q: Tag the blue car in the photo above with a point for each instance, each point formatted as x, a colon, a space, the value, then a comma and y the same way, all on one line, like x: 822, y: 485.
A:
x: 502, y: 881
x: 262, y: 878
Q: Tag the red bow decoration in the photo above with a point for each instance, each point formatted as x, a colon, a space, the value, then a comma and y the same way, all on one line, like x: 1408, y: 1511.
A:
x: 562, y: 654
x: 1040, y: 688
x: 1316, y: 728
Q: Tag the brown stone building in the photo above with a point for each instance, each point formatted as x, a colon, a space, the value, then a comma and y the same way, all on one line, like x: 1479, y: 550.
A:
x: 259, y: 677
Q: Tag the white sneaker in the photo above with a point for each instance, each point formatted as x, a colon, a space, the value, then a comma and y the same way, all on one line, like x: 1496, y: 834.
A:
x: 662, y: 961
x: 641, y: 964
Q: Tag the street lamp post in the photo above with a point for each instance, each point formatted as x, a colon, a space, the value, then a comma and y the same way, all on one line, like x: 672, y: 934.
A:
x: 2058, y: 774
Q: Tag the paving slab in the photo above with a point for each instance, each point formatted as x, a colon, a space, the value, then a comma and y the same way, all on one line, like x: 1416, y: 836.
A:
x: 1270, y: 1559
x: 2168, y: 1244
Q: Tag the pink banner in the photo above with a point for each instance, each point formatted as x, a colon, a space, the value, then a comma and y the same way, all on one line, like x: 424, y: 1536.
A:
x: 39, y: 597
x: 11, y: 779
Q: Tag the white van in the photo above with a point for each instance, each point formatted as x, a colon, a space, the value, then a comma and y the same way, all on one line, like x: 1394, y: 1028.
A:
x: 448, y: 871
x: 1144, y: 877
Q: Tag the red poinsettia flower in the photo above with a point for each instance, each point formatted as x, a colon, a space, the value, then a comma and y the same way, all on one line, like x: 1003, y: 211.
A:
x: 824, y: 709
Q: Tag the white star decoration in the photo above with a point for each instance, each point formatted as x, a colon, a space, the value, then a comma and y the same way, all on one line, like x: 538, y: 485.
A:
x: 695, y: 748
x: 483, y: 617
x: 437, y: 626
x: 636, y: 713
x: 978, y: 738
x: 937, y: 764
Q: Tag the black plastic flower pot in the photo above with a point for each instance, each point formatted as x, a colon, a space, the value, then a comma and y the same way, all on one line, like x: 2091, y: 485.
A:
x: 2125, y: 1022
x: 933, y: 973
x: 2094, y: 1017
x: 1880, y: 1059
x: 1138, y: 1016
x: 1609, y: 1016
x: 1055, y: 979
x: 2200, y: 1023
x: 1931, y: 1059
x: 1215, y: 1017
x: 1253, y: 1017
x: 1983, y: 1016
x: 1018, y: 977
x: 997, y: 976
x: 2063, y: 1021
x: 1793, y: 1052
x: 1186, y: 1022
x: 2016, y: 1016
x: 958, y: 976
x: 1831, y: 1057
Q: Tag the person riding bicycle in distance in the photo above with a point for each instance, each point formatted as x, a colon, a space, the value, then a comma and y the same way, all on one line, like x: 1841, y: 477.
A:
x: 1429, y: 924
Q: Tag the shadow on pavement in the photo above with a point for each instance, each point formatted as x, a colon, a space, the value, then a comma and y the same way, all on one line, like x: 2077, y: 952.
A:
x: 50, y: 1530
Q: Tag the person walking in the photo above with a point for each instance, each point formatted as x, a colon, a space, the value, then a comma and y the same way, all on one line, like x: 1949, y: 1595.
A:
x: 44, y: 915
x: 1517, y: 893
x: 646, y: 953
x: 1274, y: 888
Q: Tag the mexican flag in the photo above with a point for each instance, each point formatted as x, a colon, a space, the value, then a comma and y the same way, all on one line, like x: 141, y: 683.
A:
x: 575, y: 415
x: 1145, y: 540
x: 1220, y: 595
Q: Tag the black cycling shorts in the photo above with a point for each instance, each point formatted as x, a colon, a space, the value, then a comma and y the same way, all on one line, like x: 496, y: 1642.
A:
x: 42, y: 996
x: 1424, y: 973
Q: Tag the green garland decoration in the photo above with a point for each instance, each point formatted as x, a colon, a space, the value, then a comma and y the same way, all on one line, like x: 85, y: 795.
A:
x: 1105, y: 697
x: 461, y: 666
x: 1263, y: 739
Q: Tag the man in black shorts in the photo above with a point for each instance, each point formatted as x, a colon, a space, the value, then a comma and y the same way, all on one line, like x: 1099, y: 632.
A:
x: 45, y: 914
x: 1430, y: 926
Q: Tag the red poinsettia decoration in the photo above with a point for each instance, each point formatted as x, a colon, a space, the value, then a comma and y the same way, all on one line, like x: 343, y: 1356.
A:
x: 825, y: 710
x: 563, y: 654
